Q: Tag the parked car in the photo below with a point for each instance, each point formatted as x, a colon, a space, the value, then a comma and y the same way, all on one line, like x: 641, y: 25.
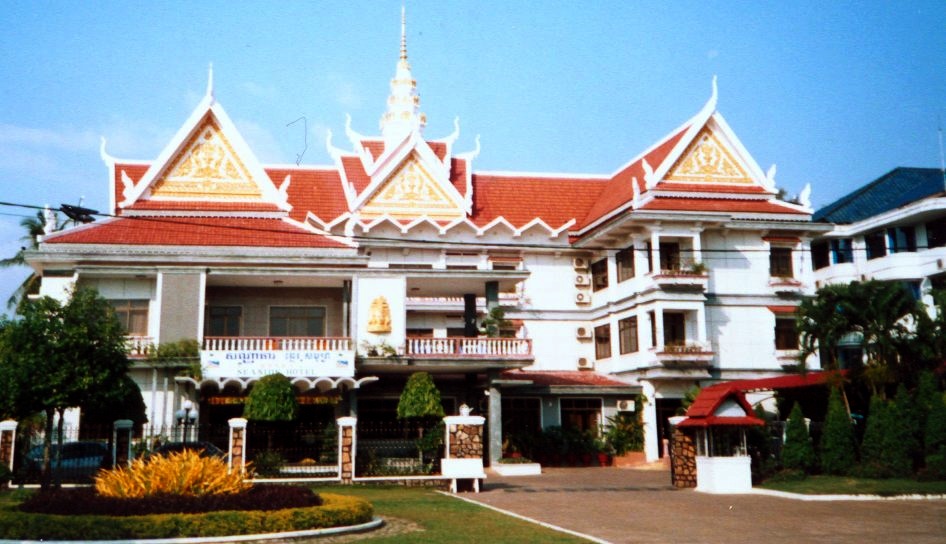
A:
x: 206, y: 449
x: 79, y: 462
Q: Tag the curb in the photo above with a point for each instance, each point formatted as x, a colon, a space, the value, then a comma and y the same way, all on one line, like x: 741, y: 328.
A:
x: 829, y: 498
x: 330, y: 531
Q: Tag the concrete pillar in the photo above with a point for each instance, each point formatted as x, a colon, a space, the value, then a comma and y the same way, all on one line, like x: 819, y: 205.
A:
x: 651, y: 439
x: 237, y: 444
x: 495, y: 420
x: 470, y: 329
x: 7, y: 446
x: 346, y: 448
x: 121, y: 443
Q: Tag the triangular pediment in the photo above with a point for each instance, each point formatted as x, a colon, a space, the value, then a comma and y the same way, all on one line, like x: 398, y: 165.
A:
x: 708, y: 159
x: 206, y: 167
x: 411, y: 192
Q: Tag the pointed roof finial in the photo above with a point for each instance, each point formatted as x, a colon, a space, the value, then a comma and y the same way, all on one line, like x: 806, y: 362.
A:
x: 210, y: 80
x: 403, y: 33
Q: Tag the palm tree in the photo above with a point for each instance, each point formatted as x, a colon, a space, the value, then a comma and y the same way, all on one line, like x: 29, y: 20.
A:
x: 883, y: 314
x: 34, y: 226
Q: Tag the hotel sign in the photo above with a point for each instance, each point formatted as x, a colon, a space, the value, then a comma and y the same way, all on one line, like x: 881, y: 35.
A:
x: 292, y: 364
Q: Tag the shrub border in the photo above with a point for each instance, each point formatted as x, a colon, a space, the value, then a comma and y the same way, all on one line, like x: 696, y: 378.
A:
x: 337, y: 513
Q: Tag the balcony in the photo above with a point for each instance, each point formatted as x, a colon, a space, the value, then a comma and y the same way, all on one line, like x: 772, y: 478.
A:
x: 469, y: 348
x: 688, y: 355
x: 786, y: 286
x: 270, y: 343
x: 788, y: 358
x: 674, y: 279
x: 138, y: 346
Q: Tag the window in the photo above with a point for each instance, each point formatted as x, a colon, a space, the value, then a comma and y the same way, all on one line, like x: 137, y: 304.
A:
x: 780, y: 262
x: 581, y: 414
x: 599, y: 274
x: 669, y: 256
x: 674, y: 329
x: 876, y: 244
x: 901, y: 239
x: 820, y: 255
x: 786, y: 336
x: 627, y: 335
x: 522, y: 417
x: 625, y: 262
x: 223, y: 321
x: 842, y: 250
x: 297, y: 321
x: 650, y: 256
x: 133, y: 315
x: 936, y: 233
x: 653, y: 328
x: 602, y: 342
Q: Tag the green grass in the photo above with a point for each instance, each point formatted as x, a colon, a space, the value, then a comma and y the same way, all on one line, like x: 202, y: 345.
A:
x: 446, y: 519
x: 841, y: 485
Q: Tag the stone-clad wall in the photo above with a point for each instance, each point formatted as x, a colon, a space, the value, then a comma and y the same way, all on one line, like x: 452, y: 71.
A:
x: 683, y: 459
x: 466, y: 441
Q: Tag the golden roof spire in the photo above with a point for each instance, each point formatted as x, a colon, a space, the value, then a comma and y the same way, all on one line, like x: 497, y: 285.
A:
x: 403, y: 112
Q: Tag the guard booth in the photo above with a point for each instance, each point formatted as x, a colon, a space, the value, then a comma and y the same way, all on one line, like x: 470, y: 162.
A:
x: 716, y: 425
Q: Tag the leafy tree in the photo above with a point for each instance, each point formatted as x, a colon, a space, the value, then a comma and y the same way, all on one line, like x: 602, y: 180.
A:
x: 909, y: 432
x: 838, y: 445
x: 271, y: 399
x: 34, y: 226
x: 883, y: 313
x: 934, y: 432
x: 885, y: 450
x: 798, y: 452
x: 420, y: 402
x: 62, y: 356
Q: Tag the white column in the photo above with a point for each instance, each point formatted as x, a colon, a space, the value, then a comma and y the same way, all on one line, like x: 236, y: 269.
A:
x: 651, y: 439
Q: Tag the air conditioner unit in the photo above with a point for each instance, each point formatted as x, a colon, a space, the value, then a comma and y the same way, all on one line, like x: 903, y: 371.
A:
x: 584, y: 332
x: 580, y: 263
x: 583, y: 280
x: 626, y: 405
x: 582, y: 298
x: 585, y: 364
x: 940, y: 264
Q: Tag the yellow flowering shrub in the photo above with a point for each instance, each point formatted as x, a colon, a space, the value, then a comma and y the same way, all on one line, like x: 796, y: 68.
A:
x: 184, y: 473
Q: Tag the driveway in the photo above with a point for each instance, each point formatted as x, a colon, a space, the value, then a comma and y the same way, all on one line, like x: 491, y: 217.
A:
x: 640, y: 506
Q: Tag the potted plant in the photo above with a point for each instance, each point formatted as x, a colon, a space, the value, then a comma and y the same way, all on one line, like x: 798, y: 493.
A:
x: 625, y: 435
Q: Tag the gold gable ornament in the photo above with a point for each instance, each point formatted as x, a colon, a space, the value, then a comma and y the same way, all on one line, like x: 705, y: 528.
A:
x: 412, y: 192
x: 207, y: 167
x: 379, y: 316
x: 707, y: 160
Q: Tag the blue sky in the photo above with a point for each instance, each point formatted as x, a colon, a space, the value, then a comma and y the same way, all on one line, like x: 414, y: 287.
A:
x: 834, y: 93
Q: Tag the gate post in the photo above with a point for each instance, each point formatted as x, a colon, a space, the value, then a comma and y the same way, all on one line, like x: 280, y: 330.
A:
x: 7, y: 444
x: 237, y: 445
x: 346, y: 448
x: 121, y: 442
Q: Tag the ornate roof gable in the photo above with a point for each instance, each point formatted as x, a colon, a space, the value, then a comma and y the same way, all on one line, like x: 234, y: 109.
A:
x: 207, y: 160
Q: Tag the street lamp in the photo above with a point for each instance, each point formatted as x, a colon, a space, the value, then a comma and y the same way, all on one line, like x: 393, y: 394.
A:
x: 187, y: 415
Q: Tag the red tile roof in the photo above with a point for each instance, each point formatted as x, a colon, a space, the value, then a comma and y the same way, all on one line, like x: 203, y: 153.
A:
x: 522, y: 198
x: 355, y: 173
x: 312, y: 190
x: 710, y: 188
x: 195, y: 231
x: 720, y: 205
x: 134, y: 171
x: 619, y: 190
x: 564, y: 378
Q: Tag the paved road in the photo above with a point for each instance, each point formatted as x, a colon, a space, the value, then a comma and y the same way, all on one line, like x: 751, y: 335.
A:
x: 639, y: 506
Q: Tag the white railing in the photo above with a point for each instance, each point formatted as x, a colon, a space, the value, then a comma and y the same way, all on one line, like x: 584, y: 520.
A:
x: 271, y: 343
x: 469, y: 347
x: 138, y: 346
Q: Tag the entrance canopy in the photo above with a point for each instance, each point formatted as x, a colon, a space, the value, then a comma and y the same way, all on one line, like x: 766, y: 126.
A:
x: 303, y: 384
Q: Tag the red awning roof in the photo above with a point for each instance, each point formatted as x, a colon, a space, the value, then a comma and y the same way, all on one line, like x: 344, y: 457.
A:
x: 717, y: 421
x: 581, y: 378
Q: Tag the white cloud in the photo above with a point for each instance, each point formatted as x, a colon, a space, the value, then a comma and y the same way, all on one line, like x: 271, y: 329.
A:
x: 64, y: 138
x: 261, y: 142
x: 253, y: 88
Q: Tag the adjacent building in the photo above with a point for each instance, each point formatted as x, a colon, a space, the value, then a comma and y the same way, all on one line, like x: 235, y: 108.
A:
x: 681, y: 267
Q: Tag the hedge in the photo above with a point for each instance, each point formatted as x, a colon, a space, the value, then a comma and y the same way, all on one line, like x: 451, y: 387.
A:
x: 337, y: 510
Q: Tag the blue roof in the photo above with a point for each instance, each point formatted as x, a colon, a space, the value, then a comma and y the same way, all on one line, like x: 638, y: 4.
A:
x: 899, y: 187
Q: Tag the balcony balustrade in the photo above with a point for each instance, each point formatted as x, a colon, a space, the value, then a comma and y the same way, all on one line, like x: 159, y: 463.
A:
x: 681, y: 279
x: 138, y: 346
x: 281, y: 343
x: 469, y: 348
x: 690, y: 354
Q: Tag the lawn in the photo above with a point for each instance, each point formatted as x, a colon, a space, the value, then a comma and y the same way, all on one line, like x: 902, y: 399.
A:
x: 841, y: 485
x: 446, y: 519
